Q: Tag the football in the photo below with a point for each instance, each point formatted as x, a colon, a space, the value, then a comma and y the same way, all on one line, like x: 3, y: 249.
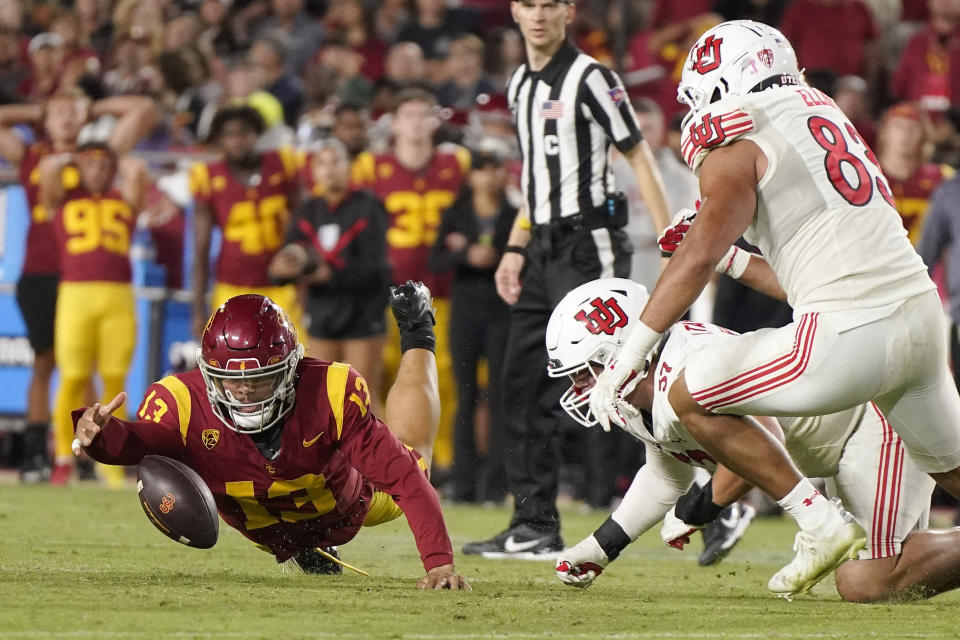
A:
x: 178, y: 502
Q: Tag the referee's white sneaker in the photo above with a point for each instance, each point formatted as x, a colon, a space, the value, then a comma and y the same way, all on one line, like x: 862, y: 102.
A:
x: 817, y: 556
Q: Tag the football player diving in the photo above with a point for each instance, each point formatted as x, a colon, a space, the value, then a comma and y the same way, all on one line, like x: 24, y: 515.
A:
x: 856, y: 451
x: 287, y: 444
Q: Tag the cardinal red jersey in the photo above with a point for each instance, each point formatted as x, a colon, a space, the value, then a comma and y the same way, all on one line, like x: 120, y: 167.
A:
x: 414, y: 201
x: 334, y: 453
x: 913, y: 195
x: 253, y: 215
x: 40, y: 253
x: 93, y: 234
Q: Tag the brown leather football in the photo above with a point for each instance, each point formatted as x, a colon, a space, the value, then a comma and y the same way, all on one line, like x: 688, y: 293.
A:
x: 178, y: 502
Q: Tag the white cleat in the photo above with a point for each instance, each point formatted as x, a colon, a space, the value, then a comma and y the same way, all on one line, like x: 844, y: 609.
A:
x: 817, y: 557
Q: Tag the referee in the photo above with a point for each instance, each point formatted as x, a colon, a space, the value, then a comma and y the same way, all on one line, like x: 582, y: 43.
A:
x: 569, y: 109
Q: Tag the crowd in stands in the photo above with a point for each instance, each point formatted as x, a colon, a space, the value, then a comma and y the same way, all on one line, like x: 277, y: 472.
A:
x: 312, y: 71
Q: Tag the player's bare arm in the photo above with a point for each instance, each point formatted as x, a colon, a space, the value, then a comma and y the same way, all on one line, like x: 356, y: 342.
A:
x: 651, y: 184
x: 135, y: 180
x: 137, y: 116
x: 728, y: 184
x: 507, y: 276
x: 202, y: 230
x: 12, y: 148
x: 51, y: 179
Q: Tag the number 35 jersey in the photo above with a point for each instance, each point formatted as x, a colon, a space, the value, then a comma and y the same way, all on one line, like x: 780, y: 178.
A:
x: 825, y: 218
x: 414, y: 201
x: 253, y: 215
x: 333, y: 455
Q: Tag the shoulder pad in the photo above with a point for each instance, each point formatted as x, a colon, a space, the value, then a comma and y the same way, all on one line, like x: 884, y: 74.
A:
x: 713, y: 128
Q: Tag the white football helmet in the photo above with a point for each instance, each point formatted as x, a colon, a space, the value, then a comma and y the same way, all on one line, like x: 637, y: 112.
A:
x: 589, y: 326
x: 736, y: 58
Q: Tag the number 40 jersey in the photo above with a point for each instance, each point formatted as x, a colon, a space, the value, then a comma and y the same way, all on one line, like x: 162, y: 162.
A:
x: 825, y: 218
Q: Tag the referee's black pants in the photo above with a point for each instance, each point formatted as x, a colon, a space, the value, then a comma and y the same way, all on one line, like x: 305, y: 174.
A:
x: 559, y: 258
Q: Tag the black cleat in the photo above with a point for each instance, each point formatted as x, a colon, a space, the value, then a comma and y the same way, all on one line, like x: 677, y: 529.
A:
x: 521, y: 542
x: 310, y: 561
x: 35, y: 470
x: 721, y: 535
x: 412, y: 307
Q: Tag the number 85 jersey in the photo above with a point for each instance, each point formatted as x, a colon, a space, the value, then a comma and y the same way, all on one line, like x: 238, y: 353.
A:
x: 825, y: 218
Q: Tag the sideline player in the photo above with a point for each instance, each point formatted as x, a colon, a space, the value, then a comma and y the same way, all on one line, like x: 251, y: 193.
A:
x: 95, y: 325
x: 857, y: 452
x: 416, y: 180
x: 782, y: 166
x: 58, y: 122
x: 261, y: 424
x: 249, y: 195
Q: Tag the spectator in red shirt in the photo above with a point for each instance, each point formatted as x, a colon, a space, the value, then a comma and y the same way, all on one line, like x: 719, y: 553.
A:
x: 832, y: 34
x: 929, y: 68
x: 46, y: 59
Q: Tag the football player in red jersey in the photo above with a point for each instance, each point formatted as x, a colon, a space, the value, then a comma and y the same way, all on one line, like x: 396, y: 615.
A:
x: 249, y: 195
x: 58, y: 122
x: 902, y: 142
x: 416, y: 181
x: 288, y: 445
x: 95, y: 325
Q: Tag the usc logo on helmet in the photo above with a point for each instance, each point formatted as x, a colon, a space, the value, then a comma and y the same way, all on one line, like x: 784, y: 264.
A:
x: 708, y: 55
x: 605, y: 317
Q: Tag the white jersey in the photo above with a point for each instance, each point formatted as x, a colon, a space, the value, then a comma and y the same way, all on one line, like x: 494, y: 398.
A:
x: 856, y: 450
x: 815, y: 443
x: 825, y: 219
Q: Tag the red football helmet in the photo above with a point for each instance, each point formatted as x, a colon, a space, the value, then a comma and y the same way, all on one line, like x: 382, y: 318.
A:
x: 248, y: 356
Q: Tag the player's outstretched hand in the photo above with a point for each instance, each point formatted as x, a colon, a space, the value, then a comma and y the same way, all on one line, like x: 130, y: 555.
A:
x: 93, y: 420
x: 444, y: 577
x: 580, y: 565
x: 673, y: 235
x: 606, y: 399
x: 507, y: 277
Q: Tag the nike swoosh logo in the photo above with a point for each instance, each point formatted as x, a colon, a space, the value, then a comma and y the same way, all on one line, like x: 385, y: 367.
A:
x: 512, y: 546
x: 730, y: 522
x: 307, y: 443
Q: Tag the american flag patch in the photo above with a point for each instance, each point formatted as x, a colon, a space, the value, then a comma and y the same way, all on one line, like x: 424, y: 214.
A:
x: 551, y: 109
x: 617, y: 95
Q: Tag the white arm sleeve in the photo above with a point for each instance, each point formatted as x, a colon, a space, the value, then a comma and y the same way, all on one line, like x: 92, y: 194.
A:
x: 654, y: 490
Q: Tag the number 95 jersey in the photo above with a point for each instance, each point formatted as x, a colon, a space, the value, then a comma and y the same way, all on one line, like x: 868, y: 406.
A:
x: 825, y: 219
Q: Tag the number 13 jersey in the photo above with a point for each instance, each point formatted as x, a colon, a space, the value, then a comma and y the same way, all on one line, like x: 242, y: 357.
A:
x: 825, y: 217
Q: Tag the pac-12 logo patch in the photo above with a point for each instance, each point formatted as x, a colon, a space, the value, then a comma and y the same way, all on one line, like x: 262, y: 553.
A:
x: 210, y: 437
x: 707, y: 55
x: 766, y: 57
x: 605, y: 317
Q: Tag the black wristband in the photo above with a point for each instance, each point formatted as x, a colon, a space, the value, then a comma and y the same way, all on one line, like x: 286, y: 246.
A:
x: 696, y: 507
x: 515, y: 248
x: 612, y: 538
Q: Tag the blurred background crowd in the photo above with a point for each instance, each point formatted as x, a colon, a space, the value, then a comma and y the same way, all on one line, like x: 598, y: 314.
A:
x: 313, y: 71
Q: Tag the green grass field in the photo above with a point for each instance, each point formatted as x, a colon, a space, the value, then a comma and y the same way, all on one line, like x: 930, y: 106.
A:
x: 85, y: 563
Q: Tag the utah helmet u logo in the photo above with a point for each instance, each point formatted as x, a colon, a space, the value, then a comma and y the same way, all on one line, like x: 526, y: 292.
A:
x: 708, y: 55
x: 605, y: 317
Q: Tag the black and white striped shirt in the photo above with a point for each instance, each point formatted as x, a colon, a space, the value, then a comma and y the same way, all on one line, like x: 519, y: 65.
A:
x: 567, y: 114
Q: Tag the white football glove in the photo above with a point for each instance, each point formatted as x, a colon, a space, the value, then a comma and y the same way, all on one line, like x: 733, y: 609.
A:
x: 675, y: 532
x: 580, y: 565
x: 622, y: 376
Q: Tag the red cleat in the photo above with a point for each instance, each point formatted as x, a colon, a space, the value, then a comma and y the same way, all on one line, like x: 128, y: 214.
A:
x: 62, y: 474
